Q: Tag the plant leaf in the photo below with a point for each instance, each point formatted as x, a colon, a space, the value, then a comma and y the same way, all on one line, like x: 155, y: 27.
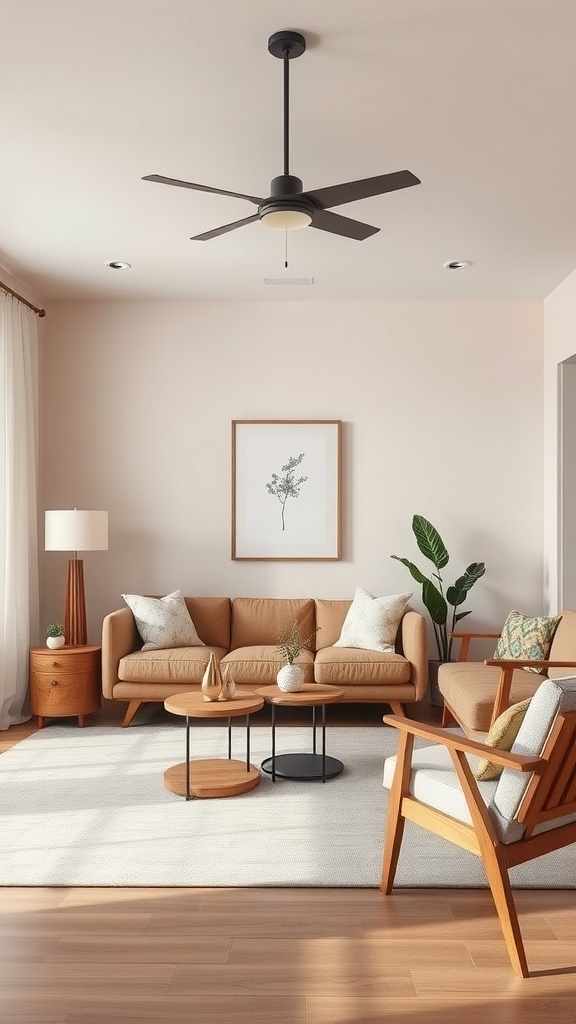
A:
x: 457, y: 594
x: 461, y: 615
x: 435, y: 603
x: 430, y: 542
x: 414, y: 570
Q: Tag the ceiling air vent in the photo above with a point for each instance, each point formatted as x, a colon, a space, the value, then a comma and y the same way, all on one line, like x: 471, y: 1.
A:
x: 288, y: 280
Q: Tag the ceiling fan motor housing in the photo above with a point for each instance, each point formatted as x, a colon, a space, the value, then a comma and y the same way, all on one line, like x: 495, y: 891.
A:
x: 286, y: 195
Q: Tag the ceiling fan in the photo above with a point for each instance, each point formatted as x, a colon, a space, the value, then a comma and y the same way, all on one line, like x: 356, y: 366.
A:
x: 288, y: 207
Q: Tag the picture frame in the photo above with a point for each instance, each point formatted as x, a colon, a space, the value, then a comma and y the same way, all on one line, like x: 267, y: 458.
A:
x: 286, y: 490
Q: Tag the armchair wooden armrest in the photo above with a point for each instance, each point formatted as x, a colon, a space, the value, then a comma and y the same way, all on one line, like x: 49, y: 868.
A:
x: 507, y: 667
x: 520, y: 762
x: 465, y: 639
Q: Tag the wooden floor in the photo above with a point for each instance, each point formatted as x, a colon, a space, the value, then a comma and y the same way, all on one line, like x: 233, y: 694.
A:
x: 280, y: 956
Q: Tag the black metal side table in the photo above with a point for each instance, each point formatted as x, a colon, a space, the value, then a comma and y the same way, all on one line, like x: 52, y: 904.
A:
x: 305, y: 766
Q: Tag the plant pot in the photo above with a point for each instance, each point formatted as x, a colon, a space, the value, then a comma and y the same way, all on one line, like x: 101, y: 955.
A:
x: 290, y: 678
x: 434, y: 695
x: 54, y: 642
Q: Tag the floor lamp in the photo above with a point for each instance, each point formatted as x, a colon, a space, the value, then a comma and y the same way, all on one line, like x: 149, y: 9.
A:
x: 76, y: 530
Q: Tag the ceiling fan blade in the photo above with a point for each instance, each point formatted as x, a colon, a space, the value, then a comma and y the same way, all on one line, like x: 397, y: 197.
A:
x: 345, y: 226
x: 200, y: 188
x: 206, y: 235
x: 350, y: 191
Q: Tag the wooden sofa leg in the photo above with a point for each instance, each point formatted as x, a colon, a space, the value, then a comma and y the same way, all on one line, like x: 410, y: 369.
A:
x: 130, y: 712
x: 397, y: 708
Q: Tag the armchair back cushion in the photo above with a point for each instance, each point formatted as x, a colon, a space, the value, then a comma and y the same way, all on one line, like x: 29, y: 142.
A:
x: 552, y: 697
x: 563, y: 646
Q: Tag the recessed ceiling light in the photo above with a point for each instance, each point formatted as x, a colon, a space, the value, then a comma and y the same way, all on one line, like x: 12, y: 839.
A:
x: 118, y: 265
x: 457, y: 264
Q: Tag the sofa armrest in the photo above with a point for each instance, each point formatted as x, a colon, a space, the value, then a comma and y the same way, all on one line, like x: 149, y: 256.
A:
x: 414, y: 637
x: 119, y: 637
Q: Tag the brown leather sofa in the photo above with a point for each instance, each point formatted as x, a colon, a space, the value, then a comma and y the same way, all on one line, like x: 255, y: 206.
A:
x: 243, y: 633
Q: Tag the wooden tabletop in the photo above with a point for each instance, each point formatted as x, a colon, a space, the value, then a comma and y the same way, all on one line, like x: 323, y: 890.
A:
x: 308, y: 695
x: 244, y: 702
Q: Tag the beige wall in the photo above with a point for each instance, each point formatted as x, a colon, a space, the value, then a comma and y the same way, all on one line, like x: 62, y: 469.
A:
x: 559, y: 332
x: 138, y: 400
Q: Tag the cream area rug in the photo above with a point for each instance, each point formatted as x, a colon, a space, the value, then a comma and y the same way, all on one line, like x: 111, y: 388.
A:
x: 89, y: 807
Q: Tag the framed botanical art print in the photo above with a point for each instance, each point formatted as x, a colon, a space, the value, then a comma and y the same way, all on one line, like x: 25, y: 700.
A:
x: 286, y: 489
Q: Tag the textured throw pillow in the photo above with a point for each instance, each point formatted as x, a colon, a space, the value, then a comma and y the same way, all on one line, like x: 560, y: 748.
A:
x: 372, y: 622
x: 524, y: 637
x: 502, y: 734
x: 163, y: 621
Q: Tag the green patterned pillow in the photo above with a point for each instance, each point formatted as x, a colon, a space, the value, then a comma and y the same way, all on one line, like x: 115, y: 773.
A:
x: 524, y: 637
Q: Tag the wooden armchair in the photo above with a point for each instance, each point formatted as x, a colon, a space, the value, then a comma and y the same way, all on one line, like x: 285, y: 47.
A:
x: 504, y: 822
x: 475, y: 693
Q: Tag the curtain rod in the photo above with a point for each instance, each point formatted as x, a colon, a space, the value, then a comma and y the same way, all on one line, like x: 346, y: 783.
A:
x: 5, y: 288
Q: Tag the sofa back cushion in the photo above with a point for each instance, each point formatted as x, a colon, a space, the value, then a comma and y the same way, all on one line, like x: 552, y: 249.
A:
x: 330, y: 617
x: 259, y: 620
x: 212, y: 617
x: 563, y: 646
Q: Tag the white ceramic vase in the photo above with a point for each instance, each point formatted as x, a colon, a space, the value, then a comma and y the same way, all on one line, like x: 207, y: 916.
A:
x: 54, y: 642
x: 290, y: 678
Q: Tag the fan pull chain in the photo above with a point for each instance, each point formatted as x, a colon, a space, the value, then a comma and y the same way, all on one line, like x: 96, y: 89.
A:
x: 286, y: 250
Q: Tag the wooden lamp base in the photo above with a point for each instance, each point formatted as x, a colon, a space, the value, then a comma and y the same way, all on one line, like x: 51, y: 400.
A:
x: 75, y: 611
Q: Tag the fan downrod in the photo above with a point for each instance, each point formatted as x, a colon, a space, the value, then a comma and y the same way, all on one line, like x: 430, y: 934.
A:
x: 286, y: 44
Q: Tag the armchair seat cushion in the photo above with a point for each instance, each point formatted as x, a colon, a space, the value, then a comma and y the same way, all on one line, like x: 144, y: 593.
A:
x: 339, y: 666
x: 470, y: 688
x: 434, y: 781
x: 172, y: 665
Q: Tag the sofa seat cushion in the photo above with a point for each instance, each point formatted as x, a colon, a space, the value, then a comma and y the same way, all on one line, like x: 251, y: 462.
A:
x: 346, y: 666
x: 169, y: 665
x: 469, y: 688
x: 259, y: 665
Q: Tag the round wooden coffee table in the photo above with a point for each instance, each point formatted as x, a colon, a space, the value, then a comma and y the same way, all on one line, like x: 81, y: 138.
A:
x: 213, y: 776
x: 304, y: 766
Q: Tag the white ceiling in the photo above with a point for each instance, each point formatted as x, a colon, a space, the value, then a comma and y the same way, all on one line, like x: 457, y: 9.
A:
x: 475, y: 97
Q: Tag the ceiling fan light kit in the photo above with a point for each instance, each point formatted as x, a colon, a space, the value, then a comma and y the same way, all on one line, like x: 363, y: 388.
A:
x: 288, y: 207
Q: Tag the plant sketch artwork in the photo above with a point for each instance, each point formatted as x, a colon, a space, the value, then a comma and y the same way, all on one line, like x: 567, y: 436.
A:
x: 286, y: 486
x: 286, y: 489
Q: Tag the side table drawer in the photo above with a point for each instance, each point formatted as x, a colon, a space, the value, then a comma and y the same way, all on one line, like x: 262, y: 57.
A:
x: 58, y: 694
x: 60, y: 664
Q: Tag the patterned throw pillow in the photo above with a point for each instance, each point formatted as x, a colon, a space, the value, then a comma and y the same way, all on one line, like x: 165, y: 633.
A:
x: 526, y: 638
x: 372, y: 623
x: 502, y: 735
x: 163, y: 621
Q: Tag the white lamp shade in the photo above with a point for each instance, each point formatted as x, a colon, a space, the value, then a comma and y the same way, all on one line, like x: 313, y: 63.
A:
x: 76, y: 530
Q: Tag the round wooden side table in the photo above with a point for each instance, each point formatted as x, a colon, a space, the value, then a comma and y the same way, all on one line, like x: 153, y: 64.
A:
x: 64, y: 682
x: 304, y: 766
x: 213, y: 776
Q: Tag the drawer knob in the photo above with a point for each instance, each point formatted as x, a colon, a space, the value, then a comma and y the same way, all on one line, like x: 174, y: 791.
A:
x: 54, y: 682
x: 54, y: 664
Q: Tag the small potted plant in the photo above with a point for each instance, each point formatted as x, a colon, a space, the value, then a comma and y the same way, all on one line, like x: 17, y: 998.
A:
x: 55, y: 635
x: 291, y: 643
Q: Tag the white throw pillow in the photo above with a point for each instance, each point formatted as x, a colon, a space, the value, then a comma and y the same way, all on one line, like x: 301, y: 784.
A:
x: 163, y: 621
x: 372, y: 622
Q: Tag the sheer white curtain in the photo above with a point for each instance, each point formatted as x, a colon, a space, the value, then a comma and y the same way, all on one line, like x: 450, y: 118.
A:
x: 18, y: 504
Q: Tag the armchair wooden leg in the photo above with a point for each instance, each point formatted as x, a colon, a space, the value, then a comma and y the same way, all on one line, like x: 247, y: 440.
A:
x: 130, y: 712
x: 447, y: 717
x: 395, y: 820
x: 499, y: 883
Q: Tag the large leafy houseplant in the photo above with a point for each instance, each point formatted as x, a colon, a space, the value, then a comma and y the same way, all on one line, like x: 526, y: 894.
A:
x: 435, y: 595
